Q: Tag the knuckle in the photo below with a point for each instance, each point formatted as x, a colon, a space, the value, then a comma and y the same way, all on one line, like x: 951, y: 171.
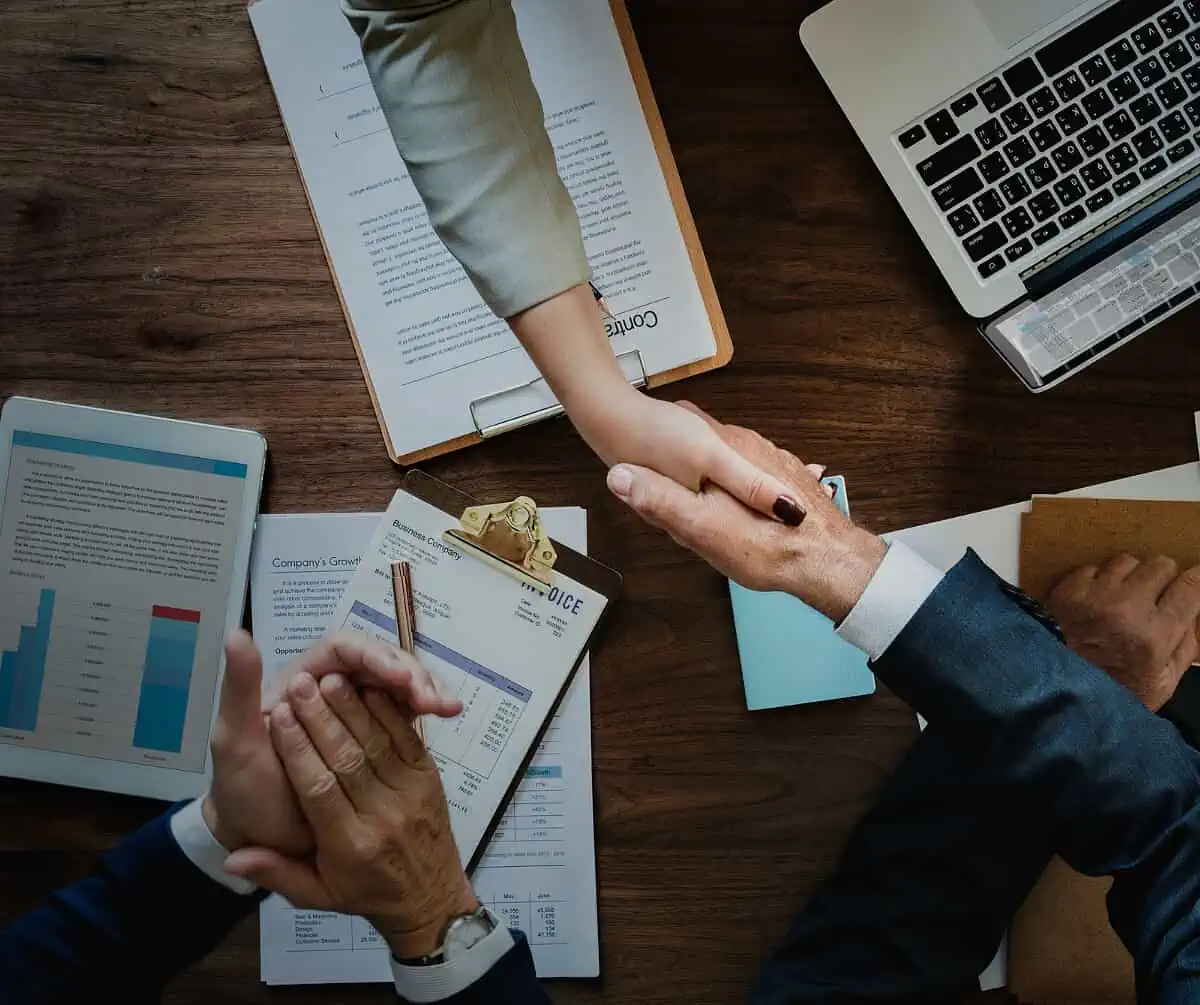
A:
x: 348, y: 761
x: 365, y: 846
x: 322, y: 786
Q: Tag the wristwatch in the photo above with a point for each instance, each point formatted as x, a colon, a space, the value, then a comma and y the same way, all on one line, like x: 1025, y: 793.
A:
x: 461, y: 934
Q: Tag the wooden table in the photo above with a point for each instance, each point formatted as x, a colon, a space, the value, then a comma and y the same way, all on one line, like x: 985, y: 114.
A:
x: 157, y: 254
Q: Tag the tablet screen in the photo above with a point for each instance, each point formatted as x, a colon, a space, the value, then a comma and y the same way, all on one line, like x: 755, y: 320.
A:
x: 116, y: 565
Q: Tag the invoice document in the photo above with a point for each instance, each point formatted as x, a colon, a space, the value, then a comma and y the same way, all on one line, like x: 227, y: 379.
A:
x: 429, y: 345
x: 539, y: 871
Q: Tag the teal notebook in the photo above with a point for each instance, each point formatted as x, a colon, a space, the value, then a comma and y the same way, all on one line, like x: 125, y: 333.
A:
x: 790, y: 653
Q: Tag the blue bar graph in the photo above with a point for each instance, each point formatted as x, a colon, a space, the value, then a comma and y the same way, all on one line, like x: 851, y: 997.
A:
x: 22, y: 670
x: 166, y: 680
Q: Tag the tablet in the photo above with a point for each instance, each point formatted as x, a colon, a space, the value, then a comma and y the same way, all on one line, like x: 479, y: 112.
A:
x: 124, y: 555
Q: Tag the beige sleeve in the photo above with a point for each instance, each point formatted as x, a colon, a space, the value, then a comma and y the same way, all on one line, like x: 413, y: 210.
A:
x: 455, y: 86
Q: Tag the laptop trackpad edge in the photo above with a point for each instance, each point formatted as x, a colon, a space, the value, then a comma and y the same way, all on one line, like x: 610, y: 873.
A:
x: 1013, y: 21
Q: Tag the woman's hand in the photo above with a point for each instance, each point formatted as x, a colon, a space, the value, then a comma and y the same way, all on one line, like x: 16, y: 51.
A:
x: 567, y: 342
x: 680, y: 442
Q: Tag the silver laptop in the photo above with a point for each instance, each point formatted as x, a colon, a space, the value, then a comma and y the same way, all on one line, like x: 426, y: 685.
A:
x: 1046, y: 151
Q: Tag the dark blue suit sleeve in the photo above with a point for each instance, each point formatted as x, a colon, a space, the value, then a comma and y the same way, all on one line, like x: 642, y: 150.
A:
x: 1031, y: 750
x: 144, y: 915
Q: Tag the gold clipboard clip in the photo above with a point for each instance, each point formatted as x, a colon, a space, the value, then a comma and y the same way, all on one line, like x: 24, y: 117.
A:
x: 509, y: 537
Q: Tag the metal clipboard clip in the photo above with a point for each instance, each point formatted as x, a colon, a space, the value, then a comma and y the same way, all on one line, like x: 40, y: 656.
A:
x: 525, y: 404
x: 509, y: 537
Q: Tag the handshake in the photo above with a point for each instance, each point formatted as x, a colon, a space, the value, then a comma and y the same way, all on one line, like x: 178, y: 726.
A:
x: 324, y: 792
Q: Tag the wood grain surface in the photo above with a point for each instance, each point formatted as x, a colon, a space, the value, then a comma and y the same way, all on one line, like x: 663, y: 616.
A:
x: 156, y: 253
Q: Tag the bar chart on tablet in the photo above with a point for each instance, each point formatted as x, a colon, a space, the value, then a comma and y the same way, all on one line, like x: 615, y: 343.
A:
x: 95, y: 676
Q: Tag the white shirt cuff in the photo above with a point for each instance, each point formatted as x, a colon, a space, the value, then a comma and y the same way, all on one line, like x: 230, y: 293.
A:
x: 443, y: 980
x: 203, y: 850
x: 901, y: 584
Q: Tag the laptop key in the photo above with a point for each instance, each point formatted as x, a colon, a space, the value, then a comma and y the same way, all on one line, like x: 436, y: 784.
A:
x: 1120, y: 125
x: 1174, y: 127
x: 1043, y: 206
x: 1042, y: 102
x: 1017, y: 222
x: 1016, y: 189
x: 1149, y: 71
x: 1147, y: 38
x: 1147, y: 143
x: 1193, y: 41
x: 949, y: 159
x: 1018, y: 250
x: 1145, y: 109
x: 1046, y: 233
x: 1069, y: 191
x: 1041, y: 173
x: 1176, y: 55
x: 942, y: 127
x: 991, y: 266
x: 994, y: 168
x: 1045, y: 136
x: 961, y: 106
x: 1098, y: 201
x: 989, y: 205
x: 1098, y: 104
x: 1067, y: 157
x: 1180, y: 151
x: 1173, y: 22
x: 1017, y: 118
x: 1125, y: 185
x: 994, y: 95
x: 1193, y: 112
x: 1095, y: 70
x: 1171, y: 93
x: 1096, y: 175
x: 1020, y: 151
x: 1124, y: 88
x: 985, y: 242
x: 911, y: 137
x: 1023, y: 77
x: 1071, y: 217
x: 1152, y: 167
x: 991, y: 134
x: 1193, y: 9
x: 1093, y: 141
x: 1191, y: 77
x: 963, y: 220
x: 1069, y: 86
x: 958, y: 189
x: 1121, y: 158
x: 1071, y: 119
x: 1121, y: 54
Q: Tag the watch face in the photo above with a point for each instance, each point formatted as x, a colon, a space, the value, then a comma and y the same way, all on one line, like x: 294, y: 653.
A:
x: 468, y: 931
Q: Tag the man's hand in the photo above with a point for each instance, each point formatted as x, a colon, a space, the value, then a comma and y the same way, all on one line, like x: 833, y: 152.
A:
x: 826, y: 562
x: 1135, y: 619
x: 373, y: 797
x: 251, y: 801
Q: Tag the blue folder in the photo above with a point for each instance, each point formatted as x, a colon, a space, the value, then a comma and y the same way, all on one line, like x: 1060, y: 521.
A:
x: 790, y: 653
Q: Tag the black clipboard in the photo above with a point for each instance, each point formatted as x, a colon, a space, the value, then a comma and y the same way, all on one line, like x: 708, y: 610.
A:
x: 569, y: 564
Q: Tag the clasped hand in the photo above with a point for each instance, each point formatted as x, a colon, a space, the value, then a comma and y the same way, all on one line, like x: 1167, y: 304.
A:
x: 329, y: 797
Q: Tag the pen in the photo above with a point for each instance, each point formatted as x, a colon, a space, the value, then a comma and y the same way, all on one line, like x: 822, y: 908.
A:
x: 602, y: 303
x: 406, y: 615
x: 406, y: 618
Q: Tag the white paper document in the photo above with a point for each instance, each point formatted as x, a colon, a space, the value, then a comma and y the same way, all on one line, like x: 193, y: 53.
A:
x: 539, y: 870
x: 429, y: 345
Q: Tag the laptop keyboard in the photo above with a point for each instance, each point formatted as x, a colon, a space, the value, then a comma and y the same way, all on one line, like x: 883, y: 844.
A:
x: 1092, y: 116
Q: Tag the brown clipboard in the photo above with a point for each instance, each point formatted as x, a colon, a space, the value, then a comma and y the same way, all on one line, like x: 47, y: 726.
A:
x: 687, y: 229
x: 568, y: 563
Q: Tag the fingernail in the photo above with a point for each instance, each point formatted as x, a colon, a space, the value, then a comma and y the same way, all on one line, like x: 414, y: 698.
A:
x: 304, y: 686
x: 333, y: 684
x: 620, y: 481
x: 789, y: 511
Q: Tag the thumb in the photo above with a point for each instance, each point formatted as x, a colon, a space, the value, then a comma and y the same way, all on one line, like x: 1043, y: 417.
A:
x: 241, y: 688
x: 297, y: 882
x: 655, y: 498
